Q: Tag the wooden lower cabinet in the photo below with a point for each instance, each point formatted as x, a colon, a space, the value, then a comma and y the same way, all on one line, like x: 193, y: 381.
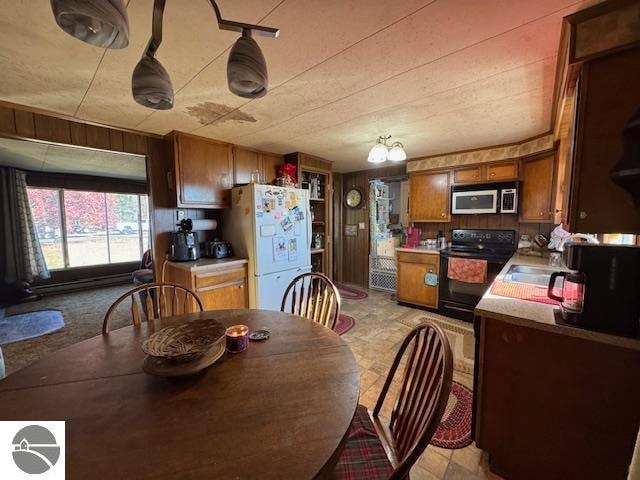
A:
x: 553, y: 406
x: 219, y: 286
x: 412, y: 268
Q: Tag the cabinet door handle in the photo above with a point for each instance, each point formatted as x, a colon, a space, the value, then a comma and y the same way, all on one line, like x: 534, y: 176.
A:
x: 443, y: 215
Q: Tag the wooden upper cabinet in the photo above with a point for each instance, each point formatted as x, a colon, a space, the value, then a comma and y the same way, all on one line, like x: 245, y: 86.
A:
x: 502, y: 171
x: 204, y: 170
x: 244, y: 163
x: 536, y: 191
x: 269, y: 162
x: 492, y: 172
x: 429, y: 195
x: 468, y: 175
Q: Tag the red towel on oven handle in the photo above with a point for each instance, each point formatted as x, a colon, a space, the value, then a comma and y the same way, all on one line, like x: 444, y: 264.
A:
x: 468, y: 270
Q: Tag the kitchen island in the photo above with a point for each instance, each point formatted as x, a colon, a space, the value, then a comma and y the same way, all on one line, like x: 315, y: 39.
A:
x: 552, y: 391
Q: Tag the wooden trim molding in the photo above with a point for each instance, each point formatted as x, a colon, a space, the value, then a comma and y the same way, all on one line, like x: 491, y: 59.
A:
x: 491, y: 154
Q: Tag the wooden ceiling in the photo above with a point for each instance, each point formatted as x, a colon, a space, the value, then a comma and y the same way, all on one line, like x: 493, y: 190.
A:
x: 437, y: 75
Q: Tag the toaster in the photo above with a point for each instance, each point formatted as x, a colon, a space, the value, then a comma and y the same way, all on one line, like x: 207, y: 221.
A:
x: 218, y: 249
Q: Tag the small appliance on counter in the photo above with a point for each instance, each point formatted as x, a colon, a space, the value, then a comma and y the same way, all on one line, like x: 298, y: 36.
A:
x: 217, y: 249
x: 184, y: 243
x: 413, y: 237
x: 601, y: 293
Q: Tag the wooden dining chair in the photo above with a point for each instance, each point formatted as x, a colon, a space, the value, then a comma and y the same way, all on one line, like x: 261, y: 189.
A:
x: 375, y: 450
x: 160, y: 299
x: 313, y: 296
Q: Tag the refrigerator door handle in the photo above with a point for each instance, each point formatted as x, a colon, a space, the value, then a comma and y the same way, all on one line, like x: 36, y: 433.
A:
x: 309, y: 224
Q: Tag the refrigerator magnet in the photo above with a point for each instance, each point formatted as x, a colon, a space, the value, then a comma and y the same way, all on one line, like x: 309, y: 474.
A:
x: 286, y: 224
x: 267, y: 230
x: 280, y: 253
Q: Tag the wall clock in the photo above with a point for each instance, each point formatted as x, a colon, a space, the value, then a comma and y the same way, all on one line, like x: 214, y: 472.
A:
x: 354, y: 198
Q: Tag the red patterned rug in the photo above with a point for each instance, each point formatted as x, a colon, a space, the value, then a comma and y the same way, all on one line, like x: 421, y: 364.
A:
x: 455, y: 428
x: 344, y: 324
x: 351, y: 293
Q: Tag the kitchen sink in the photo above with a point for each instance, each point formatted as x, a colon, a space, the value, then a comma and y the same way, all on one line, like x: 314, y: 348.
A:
x: 531, y: 275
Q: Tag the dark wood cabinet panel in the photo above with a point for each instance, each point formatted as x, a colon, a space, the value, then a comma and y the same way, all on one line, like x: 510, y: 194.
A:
x: 204, y: 170
x: 608, y: 97
x: 569, y: 401
x: 536, y: 191
x: 269, y: 163
x: 244, y: 163
x: 429, y: 197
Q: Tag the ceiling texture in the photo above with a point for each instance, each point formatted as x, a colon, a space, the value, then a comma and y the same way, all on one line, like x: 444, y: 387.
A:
x: 437, y: 75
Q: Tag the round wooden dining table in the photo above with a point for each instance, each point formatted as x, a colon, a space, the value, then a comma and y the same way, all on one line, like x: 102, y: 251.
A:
x: 279, y: 410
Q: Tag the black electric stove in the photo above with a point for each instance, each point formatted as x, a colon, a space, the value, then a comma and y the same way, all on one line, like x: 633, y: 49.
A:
x: 458, y: 299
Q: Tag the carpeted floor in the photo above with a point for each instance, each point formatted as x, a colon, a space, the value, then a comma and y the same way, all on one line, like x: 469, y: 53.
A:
x: 83, y: 313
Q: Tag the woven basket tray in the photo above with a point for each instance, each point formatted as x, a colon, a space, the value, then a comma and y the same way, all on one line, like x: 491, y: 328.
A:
x: 186, y: 342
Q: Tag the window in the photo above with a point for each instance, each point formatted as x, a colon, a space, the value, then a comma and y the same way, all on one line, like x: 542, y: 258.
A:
x: 78, y: 228
x: 619, y: 238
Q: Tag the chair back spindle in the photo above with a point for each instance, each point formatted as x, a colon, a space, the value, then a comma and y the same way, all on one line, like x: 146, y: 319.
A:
x: 160, y: 299
x: 423, y: 393
x: 313, y: 296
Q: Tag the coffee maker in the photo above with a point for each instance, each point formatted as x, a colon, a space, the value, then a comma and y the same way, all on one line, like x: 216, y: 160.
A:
x: 184, y: 243
x: 602, y: 292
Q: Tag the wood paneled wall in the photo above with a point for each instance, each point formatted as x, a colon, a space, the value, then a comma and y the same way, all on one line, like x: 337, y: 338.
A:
x: 355, y: 250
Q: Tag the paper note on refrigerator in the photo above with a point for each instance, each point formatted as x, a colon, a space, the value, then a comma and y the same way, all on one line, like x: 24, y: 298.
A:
x: 267, y: 230
x: 293, y: 249
x: 280, y: 250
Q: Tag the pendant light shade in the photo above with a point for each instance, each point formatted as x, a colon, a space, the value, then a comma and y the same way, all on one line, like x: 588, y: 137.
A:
x: 103, y: 23
x: 247, y: 69
x: 397, y: 153
x: 378, y: 154
x: 151, y: 85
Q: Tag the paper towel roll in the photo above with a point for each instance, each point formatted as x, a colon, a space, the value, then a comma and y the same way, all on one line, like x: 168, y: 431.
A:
x: 205, y: 224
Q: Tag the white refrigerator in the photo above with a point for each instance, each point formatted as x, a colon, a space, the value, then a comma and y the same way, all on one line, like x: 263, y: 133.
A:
x: 271, y: 227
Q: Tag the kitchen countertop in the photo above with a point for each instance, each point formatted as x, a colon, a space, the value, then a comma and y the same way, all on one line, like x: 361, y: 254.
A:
x: 539, y: 315
x: 431, y: 251
x: 210, y: 264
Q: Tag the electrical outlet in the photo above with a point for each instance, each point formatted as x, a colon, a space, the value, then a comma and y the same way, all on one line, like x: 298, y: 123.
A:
x: 180, y: 214
x: 362, y: 226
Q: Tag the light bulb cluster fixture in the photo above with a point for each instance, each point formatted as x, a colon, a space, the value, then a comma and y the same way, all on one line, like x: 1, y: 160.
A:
x: 104, y: 23
x: 381, y: 152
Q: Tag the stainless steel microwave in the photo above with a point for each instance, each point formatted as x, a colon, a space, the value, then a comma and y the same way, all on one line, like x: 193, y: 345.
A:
x: 485, y: 198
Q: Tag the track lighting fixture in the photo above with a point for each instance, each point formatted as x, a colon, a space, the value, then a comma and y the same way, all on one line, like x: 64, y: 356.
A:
x: 104, y: 23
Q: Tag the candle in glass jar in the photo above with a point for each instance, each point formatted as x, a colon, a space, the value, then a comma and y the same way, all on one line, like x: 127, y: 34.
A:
x: 237, y: 338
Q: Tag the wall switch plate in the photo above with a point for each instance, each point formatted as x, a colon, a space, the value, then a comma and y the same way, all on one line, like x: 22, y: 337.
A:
x: 180, y: 214
x: 362, y: 225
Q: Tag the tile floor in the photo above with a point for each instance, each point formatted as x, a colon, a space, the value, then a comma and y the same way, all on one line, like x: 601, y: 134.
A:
x: 375, y: 339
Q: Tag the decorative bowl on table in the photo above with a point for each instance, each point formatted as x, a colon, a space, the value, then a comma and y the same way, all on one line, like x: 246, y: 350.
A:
x: 184, y: 349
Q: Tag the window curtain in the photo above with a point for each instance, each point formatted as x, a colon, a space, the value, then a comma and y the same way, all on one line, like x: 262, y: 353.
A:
x: 23, y: 260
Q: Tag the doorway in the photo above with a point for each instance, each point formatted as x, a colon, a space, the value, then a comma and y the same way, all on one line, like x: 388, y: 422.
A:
x: 389, y: 217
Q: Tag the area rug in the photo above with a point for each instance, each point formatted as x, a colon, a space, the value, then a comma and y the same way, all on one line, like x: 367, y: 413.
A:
x: 351, y: 293
x: 459, y: 333
x: 344, y: 324
x: 455, y: 428
x: 15, y: 328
